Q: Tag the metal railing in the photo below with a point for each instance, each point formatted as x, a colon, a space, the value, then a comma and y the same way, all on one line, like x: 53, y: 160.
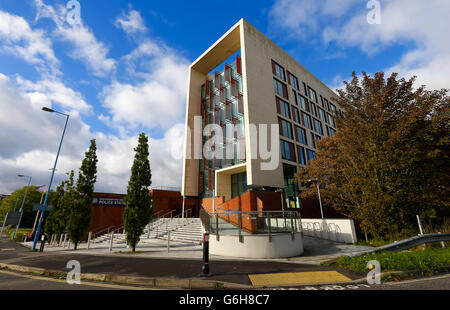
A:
x: 102, y: 232
x: 163, y: 223
x: 251, y: 223
x: 408, y: 243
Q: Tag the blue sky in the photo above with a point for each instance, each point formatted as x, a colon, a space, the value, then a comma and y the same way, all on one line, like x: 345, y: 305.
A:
x: 123, y: 70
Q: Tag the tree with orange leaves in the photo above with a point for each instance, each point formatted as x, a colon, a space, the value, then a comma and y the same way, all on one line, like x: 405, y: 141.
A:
x: 389, y: 159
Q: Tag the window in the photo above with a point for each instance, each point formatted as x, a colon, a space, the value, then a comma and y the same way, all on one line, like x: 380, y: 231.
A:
x: 301, y: 135
x: 296, y: 115
x: 312, y: 94
x: 314, y: 109
x: 318, y: 125
x: 307, y: 121
x: 287, y: 150
x: 332, y: 131
x: 322, y: 115
x: 290, y: 188
x: 293, y: 81
x: 301, y: 155
x: 294, y: 94
x: 238, y: 184
x: 285, y: 128
x: 332, y: 107
x: 278, y: 71
x: 283, y: 108
x: 305, y: 89
x: 331, y: 121
x: 303, y: 103
x: 313, y: 139
x: 311, y: 154
x: 280, y: 88
x: 327, y: 105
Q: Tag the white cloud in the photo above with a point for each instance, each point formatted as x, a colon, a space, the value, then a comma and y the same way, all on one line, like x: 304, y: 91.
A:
x: 30, y: 138
x: 301, y: 18
x: 32, y: 45
x: 131, y: 23
x: 85, y: 46
x: 159, y: 100
x: 49, y: 91
x: 405, y: 23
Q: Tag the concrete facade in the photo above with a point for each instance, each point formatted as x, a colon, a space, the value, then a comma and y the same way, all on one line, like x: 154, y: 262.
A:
x: 258, y: 53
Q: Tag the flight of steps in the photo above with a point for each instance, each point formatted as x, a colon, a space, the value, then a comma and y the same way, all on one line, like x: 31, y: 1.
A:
x: 187, y: 230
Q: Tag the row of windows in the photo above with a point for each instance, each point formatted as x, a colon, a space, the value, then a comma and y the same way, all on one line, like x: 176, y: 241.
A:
x: 279, y: 72
x: 288, y: 153
x: 283, y: 107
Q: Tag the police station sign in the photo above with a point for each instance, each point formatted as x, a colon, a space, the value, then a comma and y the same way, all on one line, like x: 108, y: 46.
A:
x: 113, y: 202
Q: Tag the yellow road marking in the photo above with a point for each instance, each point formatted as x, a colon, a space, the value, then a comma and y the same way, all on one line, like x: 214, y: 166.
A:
x: 124, y: 287
x: 297, y: 278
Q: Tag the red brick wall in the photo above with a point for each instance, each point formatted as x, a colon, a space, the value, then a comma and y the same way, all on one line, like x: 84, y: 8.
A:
x: 107, y: 216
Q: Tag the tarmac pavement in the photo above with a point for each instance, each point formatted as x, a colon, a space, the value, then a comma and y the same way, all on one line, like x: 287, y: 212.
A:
x: 183, y: 262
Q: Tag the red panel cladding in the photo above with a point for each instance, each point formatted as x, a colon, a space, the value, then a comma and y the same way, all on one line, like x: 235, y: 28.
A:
x: 228, y: 110
x: 216, y: 116
x: 241, y: 104
x: 217, y: 80
x: 238, y: 65
x: 203, y: 106
x: 227, y: 73
x: 233, y: 88
x: 222, y: 94
x: 211, y: 100
x: 207, y: 90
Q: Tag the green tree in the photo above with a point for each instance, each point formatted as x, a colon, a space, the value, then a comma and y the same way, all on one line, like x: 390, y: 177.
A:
x: 139, y: 205
x: 64, y: 200
x: 390, y: 156
x: 80, y: 214
x: 33, y: 197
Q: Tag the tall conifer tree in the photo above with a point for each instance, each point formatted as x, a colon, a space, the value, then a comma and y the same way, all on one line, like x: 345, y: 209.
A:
x: 139, y: 205
x: 81, y: 213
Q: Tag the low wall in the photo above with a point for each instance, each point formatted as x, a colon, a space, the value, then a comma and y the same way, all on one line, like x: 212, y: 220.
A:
x: 257, y: 246
x: 340, y: 230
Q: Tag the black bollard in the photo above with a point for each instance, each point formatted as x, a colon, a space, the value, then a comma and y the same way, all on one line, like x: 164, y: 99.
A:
x: 42, y: 243
x: 205, y: 264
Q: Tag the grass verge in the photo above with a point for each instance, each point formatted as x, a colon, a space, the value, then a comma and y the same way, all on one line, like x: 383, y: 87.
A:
x: 430, y: 261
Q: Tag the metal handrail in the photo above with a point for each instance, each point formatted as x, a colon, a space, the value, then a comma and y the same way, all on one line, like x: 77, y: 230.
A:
x: 408, y: 243
x: 118, y: 229
x: 292, y: 226
x: 102, y: 232
x: 155, y: 215
x: 164, y: 215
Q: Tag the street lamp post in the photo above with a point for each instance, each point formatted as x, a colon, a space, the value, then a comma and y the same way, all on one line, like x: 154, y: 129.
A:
x: 23, y: 203
x: 318, y: 192
x: 36, y: 236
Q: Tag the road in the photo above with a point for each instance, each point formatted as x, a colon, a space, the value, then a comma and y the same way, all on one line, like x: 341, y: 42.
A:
x: 18, y: 281
x: 441, y: 282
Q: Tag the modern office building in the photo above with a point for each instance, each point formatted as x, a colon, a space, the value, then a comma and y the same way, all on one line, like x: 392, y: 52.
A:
x: 241, y: 82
